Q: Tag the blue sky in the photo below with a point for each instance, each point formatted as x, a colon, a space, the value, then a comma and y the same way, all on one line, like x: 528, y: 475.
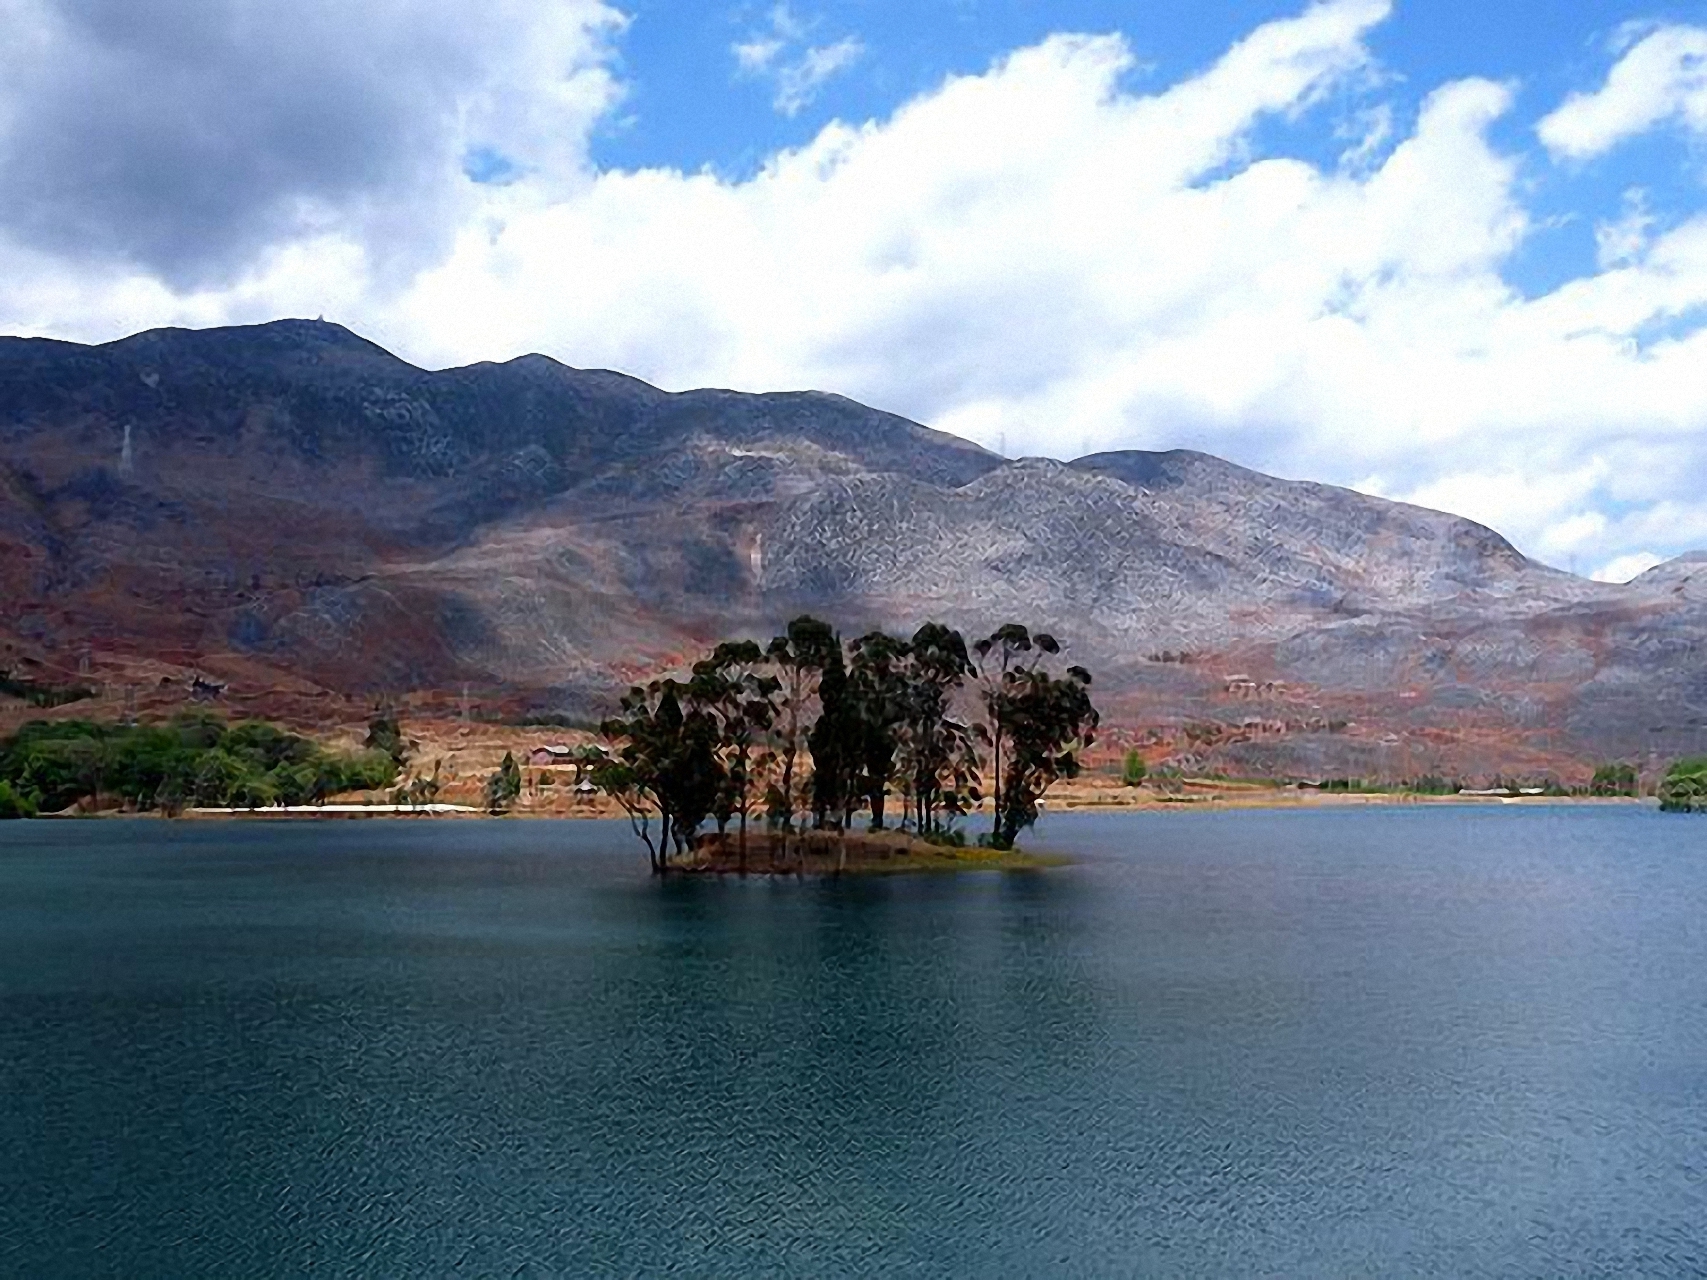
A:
x: 1448, y: 252
x: 688, y: 105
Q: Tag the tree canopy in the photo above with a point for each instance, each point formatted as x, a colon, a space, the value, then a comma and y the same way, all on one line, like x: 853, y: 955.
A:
x: 189, y: 760
x: 1684, y: 788
x: 818, y: 730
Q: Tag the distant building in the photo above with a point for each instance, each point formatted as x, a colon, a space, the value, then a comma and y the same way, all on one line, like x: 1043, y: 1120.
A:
x: 551, y: 755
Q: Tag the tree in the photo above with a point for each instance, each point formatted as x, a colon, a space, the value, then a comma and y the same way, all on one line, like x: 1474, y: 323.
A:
x: 800, y: 656
x: 1048, y: 720
x: 938, y: 753
x: 1001, y: 652
x: 669, y: 761
x: 835, y: 746
x: 1134, y: 770
x: 1684, y: 788
x: 878, y: 686
x: 194, y: 758
x: 502, y: 788
x: 385, y: 733
x: 621, y: 782
x: 732, y: 686
x: 586, y: 758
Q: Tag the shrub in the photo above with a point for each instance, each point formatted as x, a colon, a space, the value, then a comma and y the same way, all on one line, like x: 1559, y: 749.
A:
x: 14, y: 805
x: 1615, y: 780
x: 1134, y: 770
x: 1684, y: 788
x: 190, y: 759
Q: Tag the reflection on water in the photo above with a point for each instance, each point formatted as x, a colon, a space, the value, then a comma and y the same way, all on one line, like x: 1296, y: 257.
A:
x: 1445, y: 1041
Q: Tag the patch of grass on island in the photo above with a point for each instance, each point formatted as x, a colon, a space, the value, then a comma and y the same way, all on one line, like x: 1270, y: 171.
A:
x: 820, y: 853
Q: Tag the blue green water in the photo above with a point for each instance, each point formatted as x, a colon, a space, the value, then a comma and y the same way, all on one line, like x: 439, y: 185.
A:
x: 1438, y: 1041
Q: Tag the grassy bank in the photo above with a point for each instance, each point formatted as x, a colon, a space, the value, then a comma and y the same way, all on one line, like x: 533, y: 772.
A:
x: 818, y: 853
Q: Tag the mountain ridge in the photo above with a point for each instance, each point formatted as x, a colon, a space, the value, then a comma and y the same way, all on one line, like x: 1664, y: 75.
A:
x: 292, y: 498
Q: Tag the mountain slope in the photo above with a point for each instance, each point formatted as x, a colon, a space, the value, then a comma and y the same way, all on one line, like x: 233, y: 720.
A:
x: 292, y: 499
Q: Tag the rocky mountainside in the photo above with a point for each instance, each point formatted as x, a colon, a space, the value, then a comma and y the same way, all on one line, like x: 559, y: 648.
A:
x: 290, y: 506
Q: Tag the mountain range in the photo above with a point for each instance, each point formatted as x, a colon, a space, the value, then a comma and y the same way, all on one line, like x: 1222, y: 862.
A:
x: 292, y: 511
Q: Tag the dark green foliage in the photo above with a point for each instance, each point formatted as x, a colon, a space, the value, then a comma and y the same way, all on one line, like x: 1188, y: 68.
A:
x: 1433, y: 785
x: 878, y: 686
x: 1047, y: 721
x: 385, y: 733
x: 502, y: 788
x: 1037, y: 724
x: 835, y: 746
x: 730, y: 685
x: 668, y: 763
x: 800, y: 656
x: 883, y: 713
x: 1684, y: 788
x: 13, y: 805
x: 1616, y: 780
x: 938, y: 757
x: 1133, y: 769
x: 193, y: 759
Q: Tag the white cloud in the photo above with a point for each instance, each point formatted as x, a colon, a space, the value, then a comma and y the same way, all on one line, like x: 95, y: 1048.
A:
x: 798, y: 83
x: 187, y: 138
x: 796, y: 68
x: 757, y: 54
x: 1624, y: 568
x: 1662, y: 77
x: 1040, y: 255
x: 1620, y: 243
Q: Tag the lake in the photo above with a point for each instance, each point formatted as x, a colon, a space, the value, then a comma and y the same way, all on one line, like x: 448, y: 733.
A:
x: 1424, y: 1040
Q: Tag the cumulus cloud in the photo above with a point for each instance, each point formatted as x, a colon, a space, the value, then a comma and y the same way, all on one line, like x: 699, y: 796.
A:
x: 1624, y: 568
x: 783, y: 54
x: 1662, y: 77
x: 1042, y: 256
x: 187, y: 137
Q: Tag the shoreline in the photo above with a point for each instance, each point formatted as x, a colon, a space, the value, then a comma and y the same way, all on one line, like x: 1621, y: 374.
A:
x: 1205, y: 798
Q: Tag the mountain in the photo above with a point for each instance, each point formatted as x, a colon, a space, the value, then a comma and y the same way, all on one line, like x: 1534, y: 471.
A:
x: 292, y: 508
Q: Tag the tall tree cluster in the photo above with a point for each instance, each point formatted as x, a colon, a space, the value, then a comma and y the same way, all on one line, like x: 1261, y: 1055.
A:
x: 811, y: 731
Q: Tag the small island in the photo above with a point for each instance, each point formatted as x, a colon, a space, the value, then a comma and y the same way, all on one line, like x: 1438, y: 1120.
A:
x: 830, y: 853
x: 809, y: 734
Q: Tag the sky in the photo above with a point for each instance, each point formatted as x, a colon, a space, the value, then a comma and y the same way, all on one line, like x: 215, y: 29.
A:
x: 1447, y: 251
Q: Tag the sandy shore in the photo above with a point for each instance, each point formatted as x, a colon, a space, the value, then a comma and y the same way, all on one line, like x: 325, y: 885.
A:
x: 1085, y: 795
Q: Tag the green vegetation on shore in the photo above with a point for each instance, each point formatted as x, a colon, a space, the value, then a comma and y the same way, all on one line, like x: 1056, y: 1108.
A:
x: 1684, y: 788
x: 190, y: 760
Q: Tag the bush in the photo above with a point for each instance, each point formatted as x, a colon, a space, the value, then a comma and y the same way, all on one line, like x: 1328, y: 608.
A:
x: 1615, y: 780
x: 1684, y: 788
x: 1432, y: 784
x: 504, y: 786
x: 191, y: 759
x: 13, y: 805
x: 1134, y: 771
